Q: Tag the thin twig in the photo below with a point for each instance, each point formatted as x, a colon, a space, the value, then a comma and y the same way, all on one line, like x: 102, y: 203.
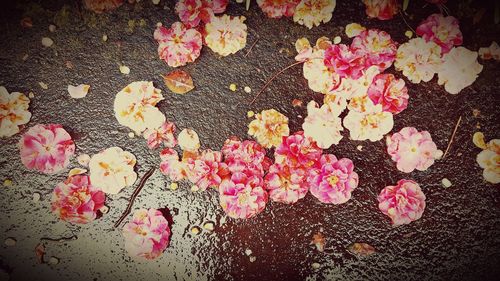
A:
x: 452, y: 137
x: 251, y: 47
x: 414, y: 32
x: 272, y: 78
x: 134, y: 195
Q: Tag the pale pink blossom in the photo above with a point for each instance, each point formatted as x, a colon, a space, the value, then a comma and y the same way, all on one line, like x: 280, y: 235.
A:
x: 335, y: 180
x: 162, y: 135
x: 390, y: 92
x: 314, y: 12
x: 147, y: 235
x: 226, y: 35
x: 442, y: 30
x: 192, y: 12
x: 346, y: 62
x: 46, y: 148
x: 286, y: 184
x: 403, y: 203
x: 278, y: 8
x: 76, y: 200
x: 411, y: 149
x: 171, y: 166
x: 419, y: 60
x: 207, y: 170
x: 13, y: 112
x: 377, y: 47
x: 177, y: 44
x: 372, y: 124
x: 320, y: 77
x: 245, y: 156
x: 381, y: 9
x: 323, y: 124
x: 242, y: 196
x: 459, y: 70
x: 297, y: 151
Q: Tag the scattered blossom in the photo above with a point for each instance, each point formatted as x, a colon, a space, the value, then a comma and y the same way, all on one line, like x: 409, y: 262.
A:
x: 112, y: 170
x: 381, y: 9
x: 377, y: 47
x: 246, y: 156
x: 207, y: 170
x: 459, y: 70
x: 489, y: 158
x: 345, y: 61
x: 76, y: 200
x: 278, y: 8
x: 403, y: 203
x: 147, y: 235
x: 171, y: 166
x: 177, y: 44
x: 411, y: 149
x: 353, y: 88
x: 442, y: 30
x: 286, y: 184
x: 135, y: 106
x: 354, y: 29
x: 313, y: 12
x: 226, y: 35
x: 322, y: 124
x: 192, y: 12
x: 320, y: 77
x: 78, y: 92
x: 297, y: 150
x: 335, y: 180
x: 269, y: 127
x: 242, y: 197
x: 164, y: 134
x: 372, y: 125
x: 46, y: 148
x: 13, y: 112
x: 491, y: 52
x: 419, y: 60
x: 188, y: 140
x: 390, y: 92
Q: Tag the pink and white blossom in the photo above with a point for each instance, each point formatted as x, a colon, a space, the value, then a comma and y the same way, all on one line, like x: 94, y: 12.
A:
x: 286, y: 184
x: 242, y: 196
x: 442, y: 30
x: 112, y: 169
x: 377, y: 47
x: 323, y: 124
x: 390, y: 92
x: 192, y: 12
x: 207, y: 170
x: 171, y: 166
x: 370, y: 125
x: 459, y: 70
x: 345, y: 61
x: 419, y: 60
x: 178, y: 45
x: 381, y: 9
x: 403, y: 203
x: 297, y: 150
x: 314, y: 12
x: 162, y: 135
x: 245, y: 156
x: 226, y: 35
x: 13, y: 112
x: 278, y: 8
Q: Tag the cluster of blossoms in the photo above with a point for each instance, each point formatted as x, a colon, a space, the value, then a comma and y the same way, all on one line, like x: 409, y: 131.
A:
x: 403, y: 203
x: 489, y: 158
x: 434, y: 52
x: 192, y: 12
x: 304, y: 12
x: 13, y: 112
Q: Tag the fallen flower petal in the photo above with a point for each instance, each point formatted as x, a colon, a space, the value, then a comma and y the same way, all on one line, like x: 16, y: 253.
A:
x: 78, y: 92
x: 162, y: 135
x: 188, y: 140
x: 361, y: 249
x: 491, y: 52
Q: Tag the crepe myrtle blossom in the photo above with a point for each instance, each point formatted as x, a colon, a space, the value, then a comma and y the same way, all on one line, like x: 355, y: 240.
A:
x: 403, y: 203
x: 147, y: 235
x: 226, y: 35
x: 112, y: 170
x: 134, y: 106
x: 245, y: 156
x: 411, y: 149
x: 335, y: 180
x: 377, y: 47
x: 171, y: 166
x: 345, y: 61
x: 371, y: 125
x: 162, y: 135
x: 192, y: 12
x: 297, y: 150
x: 278, y: 8
x: 491, y: 52
x: 458, y: 70
x: 322, y: 124
x: 207, y: 170
x: 419, y: 60
x: 489, y: 160
x: 76, y: 200
x: 178, y: 45
x: 242, y: 196
x: 381, y: 9
x: 286, y: 184
x: 314, y: 12
x: 390, y: 92
x: 442, y: 30
x: 269, y: 127
x: 353, y: 88
x: 46, y: 148
x: 13, y: 112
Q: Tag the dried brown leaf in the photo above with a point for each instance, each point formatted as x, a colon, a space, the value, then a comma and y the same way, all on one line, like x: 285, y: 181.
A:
x: 361, y: 249
x: 179, y: 82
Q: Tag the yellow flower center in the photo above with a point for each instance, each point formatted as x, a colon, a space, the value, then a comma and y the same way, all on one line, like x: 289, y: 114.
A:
x: 333, y: 180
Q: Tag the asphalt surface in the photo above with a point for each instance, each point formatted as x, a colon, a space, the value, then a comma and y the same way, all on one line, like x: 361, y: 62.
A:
x: 458, y: 237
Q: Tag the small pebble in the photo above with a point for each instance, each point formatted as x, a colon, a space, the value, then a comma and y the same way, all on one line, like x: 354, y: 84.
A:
x: 315, y: 265
x: 250, y: 114
x: 409, y: 34
x: 83, y: 159
x: 53, y: 260
x: 359, y: 147
x: 446, y: 182
x: 124, y: 69
x: 52, y: 28
x: 131, y: 135
x: 104, y: 38
x: 174, y: 186
x: 459, y: 154
x: 252, y: 259
x: 36, y: 197
x: 10, y: 242
x: 248, y: 252
x: 7, y: 182
x: 156, y: 2
x: 209, y: 226
x: 31, y: 95
x: 337, y: 40
x: 104, y: 209
x: 43, y: 85
x: 47, y: 42
x: 247, y: 90
x: 195, y: 230
x: 232, y: 87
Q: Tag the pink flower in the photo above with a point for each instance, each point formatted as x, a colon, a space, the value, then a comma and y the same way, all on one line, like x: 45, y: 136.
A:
x: 207, y: 170
x: 286, y: 184
x: 147, y: 235
x: 191, y: 12
x: 377, y: 47
x: 46, y: 148
x: 344, y: 61
x: 76, y: 200
x: 178, y: 45
x: 335, y: 180
x: 164, y: 134
x: 242, y: 197
x: 278, y: 8
x: 381, y: 9
x: 390, y: 92
x: 444, y: 31
x: 403, y: 203
x: 297, y: 151
x: 412, y: 149
x: 171, y: 166
x: 247, y: 156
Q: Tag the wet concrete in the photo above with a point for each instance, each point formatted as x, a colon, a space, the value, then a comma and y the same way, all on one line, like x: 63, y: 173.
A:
x: 458, y: 237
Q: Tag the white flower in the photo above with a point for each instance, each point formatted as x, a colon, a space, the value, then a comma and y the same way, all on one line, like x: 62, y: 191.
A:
x: 459, y: 70
x: 353, y: 88
x: 313, y: 12
x: 112, y: 170
x: 369, y: 125
x: 418, y: 59
x: 322, y: 124
x: 188, y: 140
x: 226, y: 35
x: 489, y: 160
x: 13, y: 112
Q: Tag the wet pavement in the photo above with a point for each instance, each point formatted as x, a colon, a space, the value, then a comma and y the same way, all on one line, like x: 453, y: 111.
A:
x: 458, y: 237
